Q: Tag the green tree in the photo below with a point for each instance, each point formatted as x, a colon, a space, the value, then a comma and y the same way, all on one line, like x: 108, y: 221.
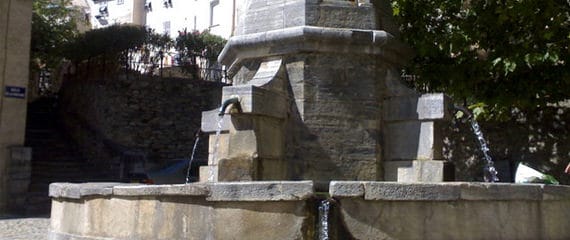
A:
x: 113, y: 47
x: 492, y: 54
x: 191, y: 46
x: 54, y: 24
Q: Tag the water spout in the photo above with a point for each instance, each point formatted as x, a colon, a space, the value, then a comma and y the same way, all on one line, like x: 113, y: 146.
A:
x: 234, y: 101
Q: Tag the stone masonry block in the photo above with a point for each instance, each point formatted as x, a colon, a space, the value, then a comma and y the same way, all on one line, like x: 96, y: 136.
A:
x: 412, y: 191
x: 414, y: 171
x: 237, y: 169
x: 411, y: 140
x: 394, y: 169
x: 77, y: 191
x: 501, y: 191
x: 256, y: 100
x: 346, y: 189
x: 434, y: 106
x: 205, y: 172
x: 211, y: 119
x: 257, y: 191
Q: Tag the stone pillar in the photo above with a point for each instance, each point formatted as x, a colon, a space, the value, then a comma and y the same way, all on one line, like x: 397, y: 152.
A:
x: 15, y: 29
x: 413, y: 142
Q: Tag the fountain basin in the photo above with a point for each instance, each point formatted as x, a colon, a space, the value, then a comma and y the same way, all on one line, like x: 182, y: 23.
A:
x: 452, y: 210
x: 288, y: 210
x: 254, y: 210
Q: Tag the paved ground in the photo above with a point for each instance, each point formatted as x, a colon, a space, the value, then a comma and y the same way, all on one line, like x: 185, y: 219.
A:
x: 23, y: 228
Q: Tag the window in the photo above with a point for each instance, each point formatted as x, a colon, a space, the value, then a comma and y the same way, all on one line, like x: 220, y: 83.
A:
x: 166, y: 27
x: 213, y: 4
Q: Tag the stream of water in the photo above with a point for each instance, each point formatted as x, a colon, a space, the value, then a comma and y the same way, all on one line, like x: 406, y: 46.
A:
x: 489, y: 171
x: 196, y: 141
x: 211, y: 173
x: 324, y: 211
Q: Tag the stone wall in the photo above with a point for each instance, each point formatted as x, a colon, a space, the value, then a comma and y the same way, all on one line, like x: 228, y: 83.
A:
x: 336, y: 116
x: 156, y: 117
x: 540, y: 139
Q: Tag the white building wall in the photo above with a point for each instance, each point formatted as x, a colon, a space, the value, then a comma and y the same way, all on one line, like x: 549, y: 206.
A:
x: 217, y: 16
x: 192, y: 15
x: 118, y: 12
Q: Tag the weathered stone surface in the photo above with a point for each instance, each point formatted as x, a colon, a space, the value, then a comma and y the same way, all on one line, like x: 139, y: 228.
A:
x: 414, y: 171
x: 258, y: 191
x: 454, y: 211
x: 79, y: 190
x: 164, y: 212
x: 346, y: 189
x: 208, y: 173
x: 395, y: 170
x: 158, y: 118
x: 210, y: 120
x: 469, y: 191
x: 194, y: 189
x: 313, y: 39
x: 236, y: 169
x: 502, y: 191
x: 436, y: 106
x: 411, y: 140
x: 256, y: 100
x: 556, y: 192
x: 412, y: 191
x: 264, y: 220
x: 256, y: 16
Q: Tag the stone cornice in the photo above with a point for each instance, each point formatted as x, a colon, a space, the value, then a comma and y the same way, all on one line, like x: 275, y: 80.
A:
x: 309, y: 39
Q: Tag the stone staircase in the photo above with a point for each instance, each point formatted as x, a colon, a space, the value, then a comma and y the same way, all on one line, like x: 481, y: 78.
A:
x: 54, y: 157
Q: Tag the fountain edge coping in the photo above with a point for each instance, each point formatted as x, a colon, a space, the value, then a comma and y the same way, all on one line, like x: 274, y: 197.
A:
x: 310, y: 39
x: 220, y: 191
x: 447, y: 191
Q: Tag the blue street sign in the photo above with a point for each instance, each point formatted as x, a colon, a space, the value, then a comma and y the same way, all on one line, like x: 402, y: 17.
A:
x: 15, y: 92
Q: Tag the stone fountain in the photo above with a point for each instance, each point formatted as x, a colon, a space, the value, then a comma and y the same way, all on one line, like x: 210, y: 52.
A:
x: 316, y: 111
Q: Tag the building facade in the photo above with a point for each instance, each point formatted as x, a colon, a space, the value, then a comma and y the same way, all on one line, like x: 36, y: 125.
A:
x: 164, y: 16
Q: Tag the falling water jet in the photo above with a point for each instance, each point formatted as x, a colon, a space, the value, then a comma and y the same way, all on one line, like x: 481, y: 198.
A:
x: 211, y: 175
x: 489, y: 171
x: 196, y: 141
x: 323, y: 224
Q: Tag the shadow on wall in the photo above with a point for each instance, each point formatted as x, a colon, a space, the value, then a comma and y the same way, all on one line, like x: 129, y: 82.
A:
x: 157, y: 117
x: 337, y: 136
x: 539, y: 139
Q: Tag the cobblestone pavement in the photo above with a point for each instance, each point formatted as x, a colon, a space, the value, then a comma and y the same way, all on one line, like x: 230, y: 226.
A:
x: 23, y: 228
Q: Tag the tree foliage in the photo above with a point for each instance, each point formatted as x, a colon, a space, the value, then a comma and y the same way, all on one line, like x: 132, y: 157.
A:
x: 119, y: 46
x: 191, y: 46
x: 109, y: 41
x: 54, y: 24
x: 497, y: 54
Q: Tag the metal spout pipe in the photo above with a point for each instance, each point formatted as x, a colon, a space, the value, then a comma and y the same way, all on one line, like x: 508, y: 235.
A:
x: 234, y: 101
